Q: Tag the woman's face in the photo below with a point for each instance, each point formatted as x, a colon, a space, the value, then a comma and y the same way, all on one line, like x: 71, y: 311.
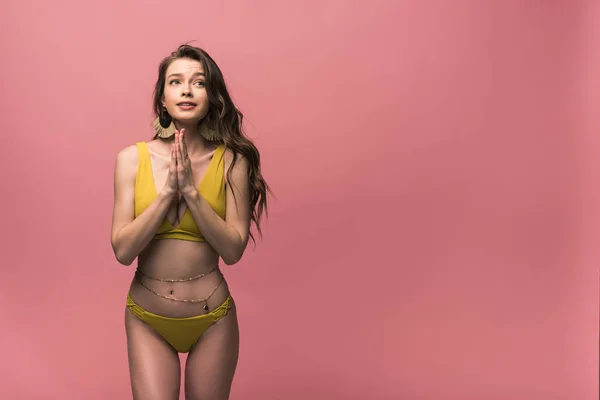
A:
x: 185, y: 94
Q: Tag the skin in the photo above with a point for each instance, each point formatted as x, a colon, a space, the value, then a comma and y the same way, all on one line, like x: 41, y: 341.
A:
x: 178, y: 166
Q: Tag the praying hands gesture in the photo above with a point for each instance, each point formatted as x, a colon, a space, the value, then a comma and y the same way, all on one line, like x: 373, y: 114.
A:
x: 180, y: 180
x: 185, y: 179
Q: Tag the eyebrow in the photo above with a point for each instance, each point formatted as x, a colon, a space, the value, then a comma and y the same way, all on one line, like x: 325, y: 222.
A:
x: 180, y: 74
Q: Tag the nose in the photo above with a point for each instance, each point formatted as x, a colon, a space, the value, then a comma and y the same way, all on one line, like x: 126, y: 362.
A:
x: 186, y: 91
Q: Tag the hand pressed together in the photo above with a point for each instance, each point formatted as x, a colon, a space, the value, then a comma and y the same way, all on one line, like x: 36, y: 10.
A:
x: 179, y: 180
x: 185, y: 178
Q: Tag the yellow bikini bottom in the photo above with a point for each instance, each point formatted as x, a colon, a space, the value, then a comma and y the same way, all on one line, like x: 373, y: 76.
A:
x: 180, y: 333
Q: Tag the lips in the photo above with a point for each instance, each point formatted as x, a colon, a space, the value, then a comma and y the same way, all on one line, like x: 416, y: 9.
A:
x: 187, y: 104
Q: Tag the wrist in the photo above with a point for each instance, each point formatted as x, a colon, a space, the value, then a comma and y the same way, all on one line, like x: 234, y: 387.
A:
x: 167, y: 193
x: 190, y: 194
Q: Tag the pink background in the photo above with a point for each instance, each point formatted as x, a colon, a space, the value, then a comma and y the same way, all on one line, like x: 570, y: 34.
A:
x: 435, y: 164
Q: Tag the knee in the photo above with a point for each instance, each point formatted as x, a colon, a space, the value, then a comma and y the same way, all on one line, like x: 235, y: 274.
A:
x: 195, y: 392
x: 145, y: 392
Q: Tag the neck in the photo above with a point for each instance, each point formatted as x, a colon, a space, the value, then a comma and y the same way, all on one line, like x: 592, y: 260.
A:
x: 194, y: 142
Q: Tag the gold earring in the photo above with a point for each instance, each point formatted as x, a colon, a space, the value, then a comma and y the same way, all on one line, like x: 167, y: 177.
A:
x: 211, y: 135
x: 164, y: 126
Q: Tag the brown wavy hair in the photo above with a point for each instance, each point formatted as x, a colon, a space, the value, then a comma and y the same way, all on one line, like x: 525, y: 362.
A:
x: 224, y: 117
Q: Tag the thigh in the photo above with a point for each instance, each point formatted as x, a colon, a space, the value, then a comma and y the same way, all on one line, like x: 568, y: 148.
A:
x: 211, y: 363
x: 154, y: 366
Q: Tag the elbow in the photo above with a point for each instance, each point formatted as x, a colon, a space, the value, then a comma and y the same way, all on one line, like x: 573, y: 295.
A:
x: 125, y: 261
x: 233, y: 258
x: 121, y: 257
x: 235, y: 252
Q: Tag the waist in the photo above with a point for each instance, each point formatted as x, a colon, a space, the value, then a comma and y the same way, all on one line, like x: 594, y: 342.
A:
x: 175, y: 309
x: 177, y: 295
x: 177, y: 256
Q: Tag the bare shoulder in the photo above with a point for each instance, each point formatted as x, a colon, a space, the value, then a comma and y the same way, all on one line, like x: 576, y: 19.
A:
x: 126, y: 163
x: 228, y: 156
x: 127, y: 155
x: 241, y: 163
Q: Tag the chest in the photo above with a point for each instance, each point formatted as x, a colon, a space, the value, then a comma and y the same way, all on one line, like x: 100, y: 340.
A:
x: 160, y: 164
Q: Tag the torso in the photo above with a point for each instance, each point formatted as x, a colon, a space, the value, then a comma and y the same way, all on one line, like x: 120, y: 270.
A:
x: 171, y: 258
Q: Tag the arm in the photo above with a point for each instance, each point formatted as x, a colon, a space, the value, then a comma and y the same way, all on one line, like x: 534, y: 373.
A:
x: 230, y: 237
x: 130, y: 235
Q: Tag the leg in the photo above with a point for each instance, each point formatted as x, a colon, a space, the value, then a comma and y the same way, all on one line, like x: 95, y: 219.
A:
x: 212, y: 361
x: 154, y: 366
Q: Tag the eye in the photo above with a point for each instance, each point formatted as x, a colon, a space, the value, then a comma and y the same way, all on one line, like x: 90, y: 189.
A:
x: 201, y: 83
x: 173, y: 80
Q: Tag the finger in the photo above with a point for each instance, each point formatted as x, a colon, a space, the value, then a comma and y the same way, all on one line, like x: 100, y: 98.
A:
x: 182, y: 142
x: 173, y: 156
x: 180, y: 159
x: 183, y: 145
x: 181, y: 154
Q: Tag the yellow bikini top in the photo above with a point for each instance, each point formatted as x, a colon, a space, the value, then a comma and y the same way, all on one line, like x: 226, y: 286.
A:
x: 212, y: 188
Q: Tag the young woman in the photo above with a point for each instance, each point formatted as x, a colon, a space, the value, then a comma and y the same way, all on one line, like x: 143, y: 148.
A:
x: 182, y: 202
